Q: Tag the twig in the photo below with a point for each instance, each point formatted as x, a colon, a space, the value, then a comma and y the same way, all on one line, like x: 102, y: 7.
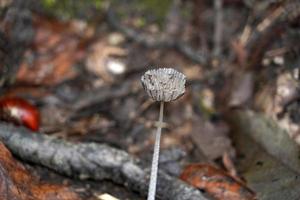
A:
x: 218, y: 28
x: 197, y: 21
x: 93, y: 161
x: 269, y: 29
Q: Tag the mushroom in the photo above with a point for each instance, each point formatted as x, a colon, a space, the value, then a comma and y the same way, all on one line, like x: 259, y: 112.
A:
x: 162, y: 85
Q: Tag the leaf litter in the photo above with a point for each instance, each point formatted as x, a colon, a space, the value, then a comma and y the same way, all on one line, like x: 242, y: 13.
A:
x: 107, y: 110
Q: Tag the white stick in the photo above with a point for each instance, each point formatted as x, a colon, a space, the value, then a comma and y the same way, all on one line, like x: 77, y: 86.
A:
x: 154, y: 167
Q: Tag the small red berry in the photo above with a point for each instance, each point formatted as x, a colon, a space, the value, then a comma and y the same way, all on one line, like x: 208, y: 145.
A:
x: 20, y: 112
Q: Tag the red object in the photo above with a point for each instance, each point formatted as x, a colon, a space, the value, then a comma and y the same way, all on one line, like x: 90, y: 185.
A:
x: 20, y: 112
x: 216, y: 182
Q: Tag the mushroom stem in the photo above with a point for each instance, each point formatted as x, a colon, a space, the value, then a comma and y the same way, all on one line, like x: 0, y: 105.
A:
x: 155, y: 158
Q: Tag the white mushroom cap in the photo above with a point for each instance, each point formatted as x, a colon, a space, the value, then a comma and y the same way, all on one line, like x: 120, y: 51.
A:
x: 164, y: 84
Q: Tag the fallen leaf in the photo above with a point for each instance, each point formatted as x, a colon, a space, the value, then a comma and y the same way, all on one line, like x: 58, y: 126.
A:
x: 101, y: 62
x: 106, y: 197
x: 211, y: 138
x: 229, y: 165
x: 17, y: 184
x: 55, y: 48
x: 269, y: 135
x: 216, y: 182
x: 116, y: 39
x: 242, y: 89
x: 268, y: 158
x: 280, y: 101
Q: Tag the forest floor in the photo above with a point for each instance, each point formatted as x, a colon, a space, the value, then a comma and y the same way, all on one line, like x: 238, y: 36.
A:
x: 238, y: 120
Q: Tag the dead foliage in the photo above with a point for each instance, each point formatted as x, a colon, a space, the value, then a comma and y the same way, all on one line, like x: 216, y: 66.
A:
x: 16, y: 183
x: 216, y: 182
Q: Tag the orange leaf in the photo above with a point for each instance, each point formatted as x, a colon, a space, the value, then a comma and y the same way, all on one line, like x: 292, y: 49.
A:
x: 17, y: 184
x: 57, y: 46
x: 216, y: 182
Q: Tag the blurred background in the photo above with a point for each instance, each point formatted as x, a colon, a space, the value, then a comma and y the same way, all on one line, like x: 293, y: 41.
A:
x: 80, y: 62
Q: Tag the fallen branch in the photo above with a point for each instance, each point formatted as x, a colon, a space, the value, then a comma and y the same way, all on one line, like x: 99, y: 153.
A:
x: 92, y: 161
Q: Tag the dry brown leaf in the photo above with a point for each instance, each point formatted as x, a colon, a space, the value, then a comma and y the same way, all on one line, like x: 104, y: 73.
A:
x: 280, y: 101
x: 287, y: 89
x: 242, y: 89
x: 100, y: 60
x: 216, y: 182
x: 211, y: 138
x: 17, y: 184
x: 56, y: 47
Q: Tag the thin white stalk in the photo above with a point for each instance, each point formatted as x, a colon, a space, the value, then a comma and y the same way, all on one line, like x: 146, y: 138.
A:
x: 154, y: 167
